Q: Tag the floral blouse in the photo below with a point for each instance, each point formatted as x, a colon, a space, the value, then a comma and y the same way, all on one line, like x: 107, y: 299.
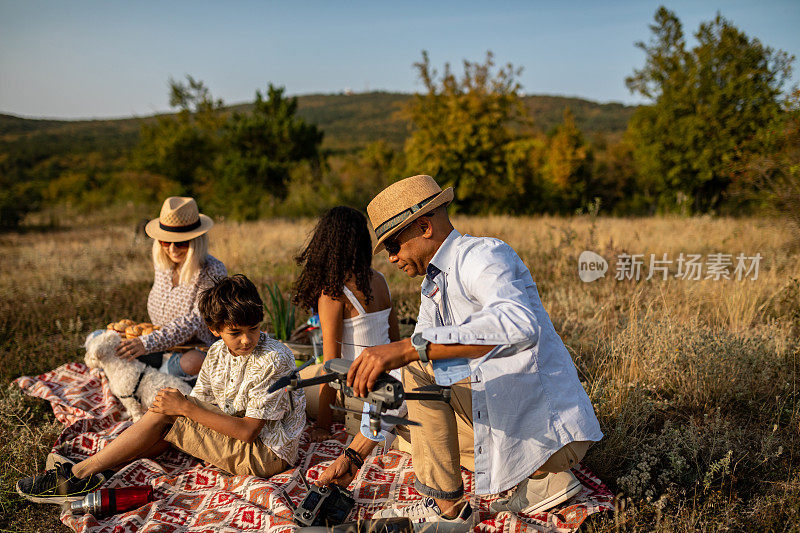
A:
x: 174, y: 308
x: 238, y: 385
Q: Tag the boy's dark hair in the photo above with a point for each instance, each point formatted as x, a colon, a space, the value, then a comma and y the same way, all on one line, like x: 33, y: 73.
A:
x: 340, y: 246
x: 231, y: 301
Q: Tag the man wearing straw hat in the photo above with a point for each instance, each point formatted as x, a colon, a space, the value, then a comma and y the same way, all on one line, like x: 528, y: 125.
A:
x: 518, y: 416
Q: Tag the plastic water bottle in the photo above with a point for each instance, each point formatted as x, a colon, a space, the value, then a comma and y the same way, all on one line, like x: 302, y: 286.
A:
x: 315, y: 332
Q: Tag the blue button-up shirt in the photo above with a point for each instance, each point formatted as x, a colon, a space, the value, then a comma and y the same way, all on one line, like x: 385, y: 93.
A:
x: 527, y: 400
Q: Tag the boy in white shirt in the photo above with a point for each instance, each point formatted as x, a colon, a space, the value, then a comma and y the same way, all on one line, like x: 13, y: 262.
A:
x: 229, y: 419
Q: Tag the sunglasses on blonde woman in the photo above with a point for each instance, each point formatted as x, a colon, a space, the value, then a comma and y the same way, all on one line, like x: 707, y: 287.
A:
x: 183, y: 244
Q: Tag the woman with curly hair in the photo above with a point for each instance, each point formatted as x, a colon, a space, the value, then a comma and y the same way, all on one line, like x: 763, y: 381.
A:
x: 352, y: 299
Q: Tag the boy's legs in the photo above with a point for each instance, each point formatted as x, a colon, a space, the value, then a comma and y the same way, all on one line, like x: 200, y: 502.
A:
x: 154, y: 451
x: 225, y: 452
x: 136, y: 440
x: 64, y: 481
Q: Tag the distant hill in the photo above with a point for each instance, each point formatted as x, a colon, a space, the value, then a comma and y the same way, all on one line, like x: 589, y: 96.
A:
x: 349, y: 121
x: 592, y: 118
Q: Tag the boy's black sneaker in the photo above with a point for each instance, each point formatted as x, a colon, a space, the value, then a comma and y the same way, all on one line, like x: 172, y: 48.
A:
x: 58, y: 485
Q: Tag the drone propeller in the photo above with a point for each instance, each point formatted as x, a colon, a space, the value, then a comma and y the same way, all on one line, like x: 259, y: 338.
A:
x: 288, y: 378
x: 389, y: 419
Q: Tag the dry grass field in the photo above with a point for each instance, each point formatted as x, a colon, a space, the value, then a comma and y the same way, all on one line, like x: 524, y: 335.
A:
x: 695, y: 382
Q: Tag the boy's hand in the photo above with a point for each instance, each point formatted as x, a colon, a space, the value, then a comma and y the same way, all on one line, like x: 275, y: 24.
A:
x: 170, y: 402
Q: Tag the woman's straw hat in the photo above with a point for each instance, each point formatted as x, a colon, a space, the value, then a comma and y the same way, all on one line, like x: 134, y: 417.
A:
x: 399, y: 204
x: 180, y: 220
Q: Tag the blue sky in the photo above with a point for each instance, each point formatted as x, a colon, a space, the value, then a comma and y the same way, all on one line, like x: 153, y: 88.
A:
x: 110, y: 58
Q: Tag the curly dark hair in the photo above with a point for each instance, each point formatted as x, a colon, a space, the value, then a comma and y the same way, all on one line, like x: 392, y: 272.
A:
x: 340, y: 245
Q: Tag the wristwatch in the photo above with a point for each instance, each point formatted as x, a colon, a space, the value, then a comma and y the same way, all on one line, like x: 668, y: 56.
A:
x: 354, y: 457
x: 421, y: 345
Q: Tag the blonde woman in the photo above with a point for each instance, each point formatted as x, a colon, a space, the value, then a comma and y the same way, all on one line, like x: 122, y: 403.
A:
x: 183, y: 267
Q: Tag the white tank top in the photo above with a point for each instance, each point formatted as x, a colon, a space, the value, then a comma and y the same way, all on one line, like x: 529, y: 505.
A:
x: 369, y: 329
x: 364, y: 329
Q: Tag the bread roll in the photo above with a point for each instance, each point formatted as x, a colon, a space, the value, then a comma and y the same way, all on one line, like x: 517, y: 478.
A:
x: 147, y: 330
x: 133, y: 331
x: 127, y: 322
x: 111, y: 325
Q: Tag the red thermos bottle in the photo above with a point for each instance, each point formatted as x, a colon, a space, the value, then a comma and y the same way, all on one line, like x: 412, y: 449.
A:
x: 107, y: 502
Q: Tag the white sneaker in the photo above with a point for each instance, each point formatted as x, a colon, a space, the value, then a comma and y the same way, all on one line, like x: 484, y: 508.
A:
x: 426, y: 516
x: 536, y: 495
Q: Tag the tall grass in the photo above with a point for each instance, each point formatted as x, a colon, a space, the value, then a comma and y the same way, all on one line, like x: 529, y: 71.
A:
x: 281, y: 313
x: 694, y: 382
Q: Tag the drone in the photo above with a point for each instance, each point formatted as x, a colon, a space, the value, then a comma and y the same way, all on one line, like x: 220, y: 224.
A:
x: 386, y: 394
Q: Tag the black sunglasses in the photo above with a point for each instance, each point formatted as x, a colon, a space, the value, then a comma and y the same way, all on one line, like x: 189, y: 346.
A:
x: 392, y: 246
x: 182, y: 244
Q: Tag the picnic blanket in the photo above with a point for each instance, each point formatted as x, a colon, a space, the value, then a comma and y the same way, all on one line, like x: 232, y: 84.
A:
x: 195, y: 497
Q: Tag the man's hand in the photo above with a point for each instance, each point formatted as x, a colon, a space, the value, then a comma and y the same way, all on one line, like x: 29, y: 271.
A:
x: 377, y: 359
x: 338, y: 472
x: 130, y: 348
x: 170, y: 402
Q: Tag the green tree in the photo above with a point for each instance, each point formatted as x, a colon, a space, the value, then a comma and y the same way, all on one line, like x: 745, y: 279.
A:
x: 182, y: 147
x: 709, y: 104
x: 17, y: 199
x: 260, y: 148
x: 771, y: 178
x: 525, y: 188
x: 613, y: 175
x: 365, y: 174
x: 568, y: 164
x: 461, y: 127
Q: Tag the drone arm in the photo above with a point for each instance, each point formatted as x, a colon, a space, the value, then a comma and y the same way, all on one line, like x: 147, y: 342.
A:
x: 425, y: 396
x: 316, y: 380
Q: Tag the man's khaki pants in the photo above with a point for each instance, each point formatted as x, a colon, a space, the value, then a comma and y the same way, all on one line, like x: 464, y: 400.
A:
x: 446, y: 440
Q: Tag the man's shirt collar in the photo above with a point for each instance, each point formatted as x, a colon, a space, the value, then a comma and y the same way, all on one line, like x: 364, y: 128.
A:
x: 443, y: 259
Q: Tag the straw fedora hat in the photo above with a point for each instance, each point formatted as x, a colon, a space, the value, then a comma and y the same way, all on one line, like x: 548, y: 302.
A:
x: 399, y: 204
x: 180, y: 220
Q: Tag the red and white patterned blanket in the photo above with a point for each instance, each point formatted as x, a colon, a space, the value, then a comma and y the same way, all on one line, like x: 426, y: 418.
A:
x: 195, y: 497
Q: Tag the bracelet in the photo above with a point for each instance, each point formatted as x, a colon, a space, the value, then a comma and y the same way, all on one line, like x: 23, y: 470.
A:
x: 354, y: 457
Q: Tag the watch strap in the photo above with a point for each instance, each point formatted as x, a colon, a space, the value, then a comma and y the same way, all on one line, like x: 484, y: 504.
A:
x: 422, y: 349
x: 423, y: 353
x: 354, y: 457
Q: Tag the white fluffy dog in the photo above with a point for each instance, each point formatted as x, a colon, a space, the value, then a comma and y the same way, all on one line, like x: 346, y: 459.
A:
x: 133, y: 382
